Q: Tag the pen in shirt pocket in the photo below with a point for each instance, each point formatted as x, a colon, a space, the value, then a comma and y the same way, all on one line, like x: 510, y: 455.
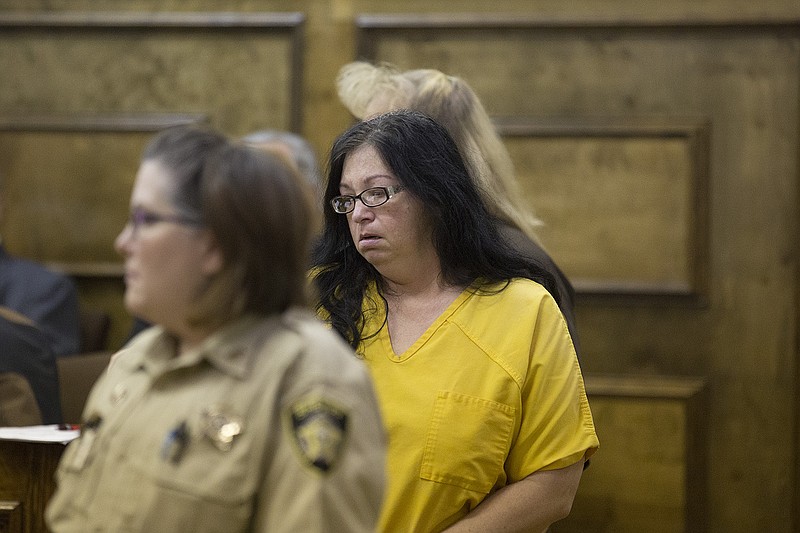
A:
x: 175, y: 443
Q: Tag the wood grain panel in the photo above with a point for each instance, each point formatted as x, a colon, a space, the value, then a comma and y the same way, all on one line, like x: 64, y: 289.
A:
x: 625, y: 201
x: 157, y: 62
x: 67, y: 183
x: 653, y: 440
x: 649, y: 234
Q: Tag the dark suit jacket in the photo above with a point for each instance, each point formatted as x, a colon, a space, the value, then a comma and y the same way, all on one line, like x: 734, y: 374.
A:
x: 48, y: 298
x: 24, y: 350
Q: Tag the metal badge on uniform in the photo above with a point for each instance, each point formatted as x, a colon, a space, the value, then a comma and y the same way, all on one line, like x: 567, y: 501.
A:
x: 319, y: 429
x: 222, y: 428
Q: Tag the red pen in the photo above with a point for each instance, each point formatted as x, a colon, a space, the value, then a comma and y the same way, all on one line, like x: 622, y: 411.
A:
x: 68, y: 427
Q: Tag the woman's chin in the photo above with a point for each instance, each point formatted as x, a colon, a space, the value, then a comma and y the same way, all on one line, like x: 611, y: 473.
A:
x: 373, y: 254
x: 133, y: 305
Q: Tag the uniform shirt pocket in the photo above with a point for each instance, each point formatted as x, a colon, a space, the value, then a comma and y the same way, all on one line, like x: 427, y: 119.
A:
x: 205, y: 489
x: 467, y: 442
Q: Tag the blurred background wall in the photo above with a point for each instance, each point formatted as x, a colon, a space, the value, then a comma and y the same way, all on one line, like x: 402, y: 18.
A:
x: 657, y: 140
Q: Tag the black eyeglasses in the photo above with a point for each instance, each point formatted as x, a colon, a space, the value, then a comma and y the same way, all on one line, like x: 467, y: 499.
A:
x: 140, y: 217
x: 372, y: 197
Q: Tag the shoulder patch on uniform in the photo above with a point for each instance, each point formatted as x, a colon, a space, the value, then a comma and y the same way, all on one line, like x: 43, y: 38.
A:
x: 319, y: 429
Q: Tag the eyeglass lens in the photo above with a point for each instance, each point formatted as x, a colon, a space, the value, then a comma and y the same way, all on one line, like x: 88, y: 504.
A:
x: 372, y: 197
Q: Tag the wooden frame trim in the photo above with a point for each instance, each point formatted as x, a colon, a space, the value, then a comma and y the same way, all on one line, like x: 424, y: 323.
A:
x: 98, y: 270
x: 655, y: 387
x: 795, y: 466
x: 127, y: 122
x: 696, y: 132
x: 128, y: 20
x: 368, y: 24
x: 495, y: 21
x: 292, y: 22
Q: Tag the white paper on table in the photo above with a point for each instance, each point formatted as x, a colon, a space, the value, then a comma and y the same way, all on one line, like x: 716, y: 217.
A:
x: 48, y: 433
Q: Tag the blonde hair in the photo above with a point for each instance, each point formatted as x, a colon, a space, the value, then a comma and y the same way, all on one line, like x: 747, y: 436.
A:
x: 450, y: 101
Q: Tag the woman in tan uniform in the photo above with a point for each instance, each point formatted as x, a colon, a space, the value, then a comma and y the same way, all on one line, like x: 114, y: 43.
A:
x: 238, y: 411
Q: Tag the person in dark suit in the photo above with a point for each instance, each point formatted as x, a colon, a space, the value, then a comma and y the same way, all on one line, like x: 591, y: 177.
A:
x: 26, y: 353
x: 48, y: 298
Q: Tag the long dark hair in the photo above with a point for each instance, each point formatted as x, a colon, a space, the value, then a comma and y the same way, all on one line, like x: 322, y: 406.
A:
x: 425, y: 160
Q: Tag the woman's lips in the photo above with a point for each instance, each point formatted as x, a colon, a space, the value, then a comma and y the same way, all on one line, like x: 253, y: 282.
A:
x: 129, y: 276
x: 368, y: 240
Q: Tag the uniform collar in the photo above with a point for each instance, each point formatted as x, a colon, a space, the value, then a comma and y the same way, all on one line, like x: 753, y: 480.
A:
x: 231, y: 349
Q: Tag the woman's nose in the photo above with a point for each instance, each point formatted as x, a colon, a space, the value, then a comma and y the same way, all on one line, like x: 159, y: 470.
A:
x: 360, y: 212
x: 123, y: 240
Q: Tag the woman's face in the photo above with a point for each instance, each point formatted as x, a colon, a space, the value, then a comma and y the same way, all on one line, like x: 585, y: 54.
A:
x: 168, y: 259
x: 391, y: 236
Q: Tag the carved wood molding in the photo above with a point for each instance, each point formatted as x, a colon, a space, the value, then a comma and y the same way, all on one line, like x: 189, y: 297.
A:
x: 650, y: 387
x: 494, y: 21
x: 113, y: 271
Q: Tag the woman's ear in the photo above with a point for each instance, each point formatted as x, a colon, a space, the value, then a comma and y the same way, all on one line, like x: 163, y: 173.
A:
x: 212, y: 260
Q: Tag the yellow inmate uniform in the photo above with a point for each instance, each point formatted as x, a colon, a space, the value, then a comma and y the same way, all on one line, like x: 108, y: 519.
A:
x: 271, y: 425
x: 489, y: 394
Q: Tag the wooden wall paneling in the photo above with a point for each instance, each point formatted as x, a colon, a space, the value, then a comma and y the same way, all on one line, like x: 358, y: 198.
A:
x: 243, y: 70
x: 67, y: 182
x: 638, y: 185
x: 740, y: 78
x: 657, y: 465
x: 393, y: 37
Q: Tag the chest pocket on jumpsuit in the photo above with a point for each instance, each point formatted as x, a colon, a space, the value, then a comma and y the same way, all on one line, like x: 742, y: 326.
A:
x: 467, y: 441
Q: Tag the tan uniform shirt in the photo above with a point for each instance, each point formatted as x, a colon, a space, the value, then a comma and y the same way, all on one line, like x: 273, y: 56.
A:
x: 271, y: 425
